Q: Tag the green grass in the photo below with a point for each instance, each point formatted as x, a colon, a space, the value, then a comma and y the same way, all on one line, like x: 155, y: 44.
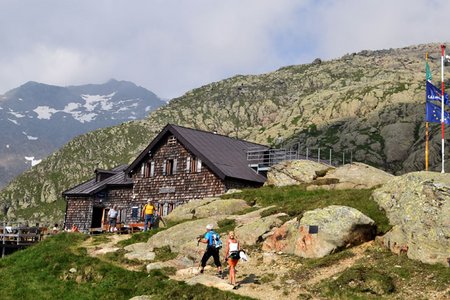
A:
x: 226, y: 225
x: 164, y: 254
x: 139, y: 237
x: 295, y: 200
x: 43, y: 272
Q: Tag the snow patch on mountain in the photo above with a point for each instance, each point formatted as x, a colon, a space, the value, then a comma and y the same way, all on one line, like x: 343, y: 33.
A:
x: 92, y: 101
x: 15, y: 114
x: 14, y: 121
x: 33, y: 161
x: 31, y: 138
x: 44, y: 112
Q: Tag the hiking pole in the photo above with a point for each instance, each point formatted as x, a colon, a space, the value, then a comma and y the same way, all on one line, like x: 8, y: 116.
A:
x: 197, y: 253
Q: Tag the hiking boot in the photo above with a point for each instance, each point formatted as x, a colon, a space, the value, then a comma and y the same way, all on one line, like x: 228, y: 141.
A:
x: 220, y: 274
x: 201, y: 270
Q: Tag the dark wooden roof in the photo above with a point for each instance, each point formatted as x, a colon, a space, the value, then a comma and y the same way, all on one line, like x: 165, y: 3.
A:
x: 91, y: 186
x: 225, y: 156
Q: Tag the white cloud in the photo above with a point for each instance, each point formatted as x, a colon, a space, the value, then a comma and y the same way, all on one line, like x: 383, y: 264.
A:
x: 173, y: 46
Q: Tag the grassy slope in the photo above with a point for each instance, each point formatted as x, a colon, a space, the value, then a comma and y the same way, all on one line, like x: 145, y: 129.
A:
x: 42, y: 272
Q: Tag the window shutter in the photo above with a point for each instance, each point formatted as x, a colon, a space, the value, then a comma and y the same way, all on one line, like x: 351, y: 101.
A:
x: 152, y: 169
x: 174, y: 166
x: 142, y: 169
x: 199, y: 165
x: 164, y: 167
x: 188, y: 164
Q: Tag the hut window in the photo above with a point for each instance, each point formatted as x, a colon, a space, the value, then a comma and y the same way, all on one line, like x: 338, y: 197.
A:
x: 170, y: 166
x: 150, y: 169
x: 195, y: 164
x: 172, y: 141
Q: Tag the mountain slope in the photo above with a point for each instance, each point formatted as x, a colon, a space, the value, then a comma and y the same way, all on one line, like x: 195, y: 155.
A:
x: 37, y: 118
x: 370, y: 103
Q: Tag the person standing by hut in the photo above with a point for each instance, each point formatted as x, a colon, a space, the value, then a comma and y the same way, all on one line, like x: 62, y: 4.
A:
x: 147, y: 213
x: 112, y: 216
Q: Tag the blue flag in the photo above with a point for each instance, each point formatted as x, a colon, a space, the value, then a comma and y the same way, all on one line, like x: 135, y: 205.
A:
x: 433, y: 114
x: 435, y: 94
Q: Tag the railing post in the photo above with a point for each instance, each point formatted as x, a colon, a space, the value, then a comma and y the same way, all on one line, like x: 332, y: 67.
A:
x: 330, y: 156
x: 343, y: 158
x: 306, y: 153
x: 318, y: 154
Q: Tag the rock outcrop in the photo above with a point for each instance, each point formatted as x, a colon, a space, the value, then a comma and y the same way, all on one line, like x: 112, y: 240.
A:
x: 321, y: 232
x: 353, y: 176
x: 294, y: 172
x: 316, y: 175
x: 207, y: 207
x: 418, y: 206
x: 252, y: 232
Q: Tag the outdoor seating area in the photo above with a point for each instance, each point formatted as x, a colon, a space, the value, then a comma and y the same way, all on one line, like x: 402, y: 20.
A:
x: 121, y: 228
x: 18, y: 237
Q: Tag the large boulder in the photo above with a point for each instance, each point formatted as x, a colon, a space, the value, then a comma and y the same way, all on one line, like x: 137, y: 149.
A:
x: 418, y: 206
x: 182, y: 238
x: 205, y: 208
x: 316, y: 175
x: 354, y: 176
x: 294, y: 172
x: 187, y: 211
x: 321, y: 232
x: 250, y: 217
x: 221, y: 207
x: 140, y: 251
x: 252, y: 232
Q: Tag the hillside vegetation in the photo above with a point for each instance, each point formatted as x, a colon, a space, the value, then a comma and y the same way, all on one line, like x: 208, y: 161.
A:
x: 369, y: 104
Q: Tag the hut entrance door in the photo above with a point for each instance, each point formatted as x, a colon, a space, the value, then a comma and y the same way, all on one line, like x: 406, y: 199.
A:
x: 97, y: 217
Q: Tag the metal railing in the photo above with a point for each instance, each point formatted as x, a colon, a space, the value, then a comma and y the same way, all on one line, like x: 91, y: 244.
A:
x: 264, y: 159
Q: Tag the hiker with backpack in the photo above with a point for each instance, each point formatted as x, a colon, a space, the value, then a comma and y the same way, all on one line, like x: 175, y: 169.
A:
x: 213, y: 245
x: 232, y: 254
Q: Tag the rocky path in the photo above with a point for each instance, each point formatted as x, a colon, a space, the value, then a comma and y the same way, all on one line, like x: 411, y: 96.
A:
x: 267, y: 275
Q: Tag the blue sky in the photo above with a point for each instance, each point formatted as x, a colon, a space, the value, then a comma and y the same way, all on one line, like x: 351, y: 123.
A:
x: 171, y: 47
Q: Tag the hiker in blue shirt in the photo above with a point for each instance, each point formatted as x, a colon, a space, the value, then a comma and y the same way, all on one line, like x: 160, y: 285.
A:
x: 213, y: 245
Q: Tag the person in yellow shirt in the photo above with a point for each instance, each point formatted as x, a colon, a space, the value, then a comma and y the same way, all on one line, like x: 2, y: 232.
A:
x: 147, y: 213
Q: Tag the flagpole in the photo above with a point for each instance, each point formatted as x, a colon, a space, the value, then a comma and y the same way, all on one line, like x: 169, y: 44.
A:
x: 442, y: 103
x: 426, y: 129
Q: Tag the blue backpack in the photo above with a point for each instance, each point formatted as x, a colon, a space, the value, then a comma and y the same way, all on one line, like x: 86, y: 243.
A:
x: 214, y: 240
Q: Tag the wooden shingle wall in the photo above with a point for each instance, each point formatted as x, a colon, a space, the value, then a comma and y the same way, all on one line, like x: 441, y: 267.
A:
x: 79, y: 212
x: 180, y: 187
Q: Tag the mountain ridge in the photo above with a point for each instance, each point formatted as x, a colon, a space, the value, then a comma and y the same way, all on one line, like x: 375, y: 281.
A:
x: 370, y: 104
x: 38, y: 118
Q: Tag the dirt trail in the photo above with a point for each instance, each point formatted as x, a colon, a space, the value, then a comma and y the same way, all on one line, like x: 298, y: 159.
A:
x: 96, y: 249
x: 267, y: 275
